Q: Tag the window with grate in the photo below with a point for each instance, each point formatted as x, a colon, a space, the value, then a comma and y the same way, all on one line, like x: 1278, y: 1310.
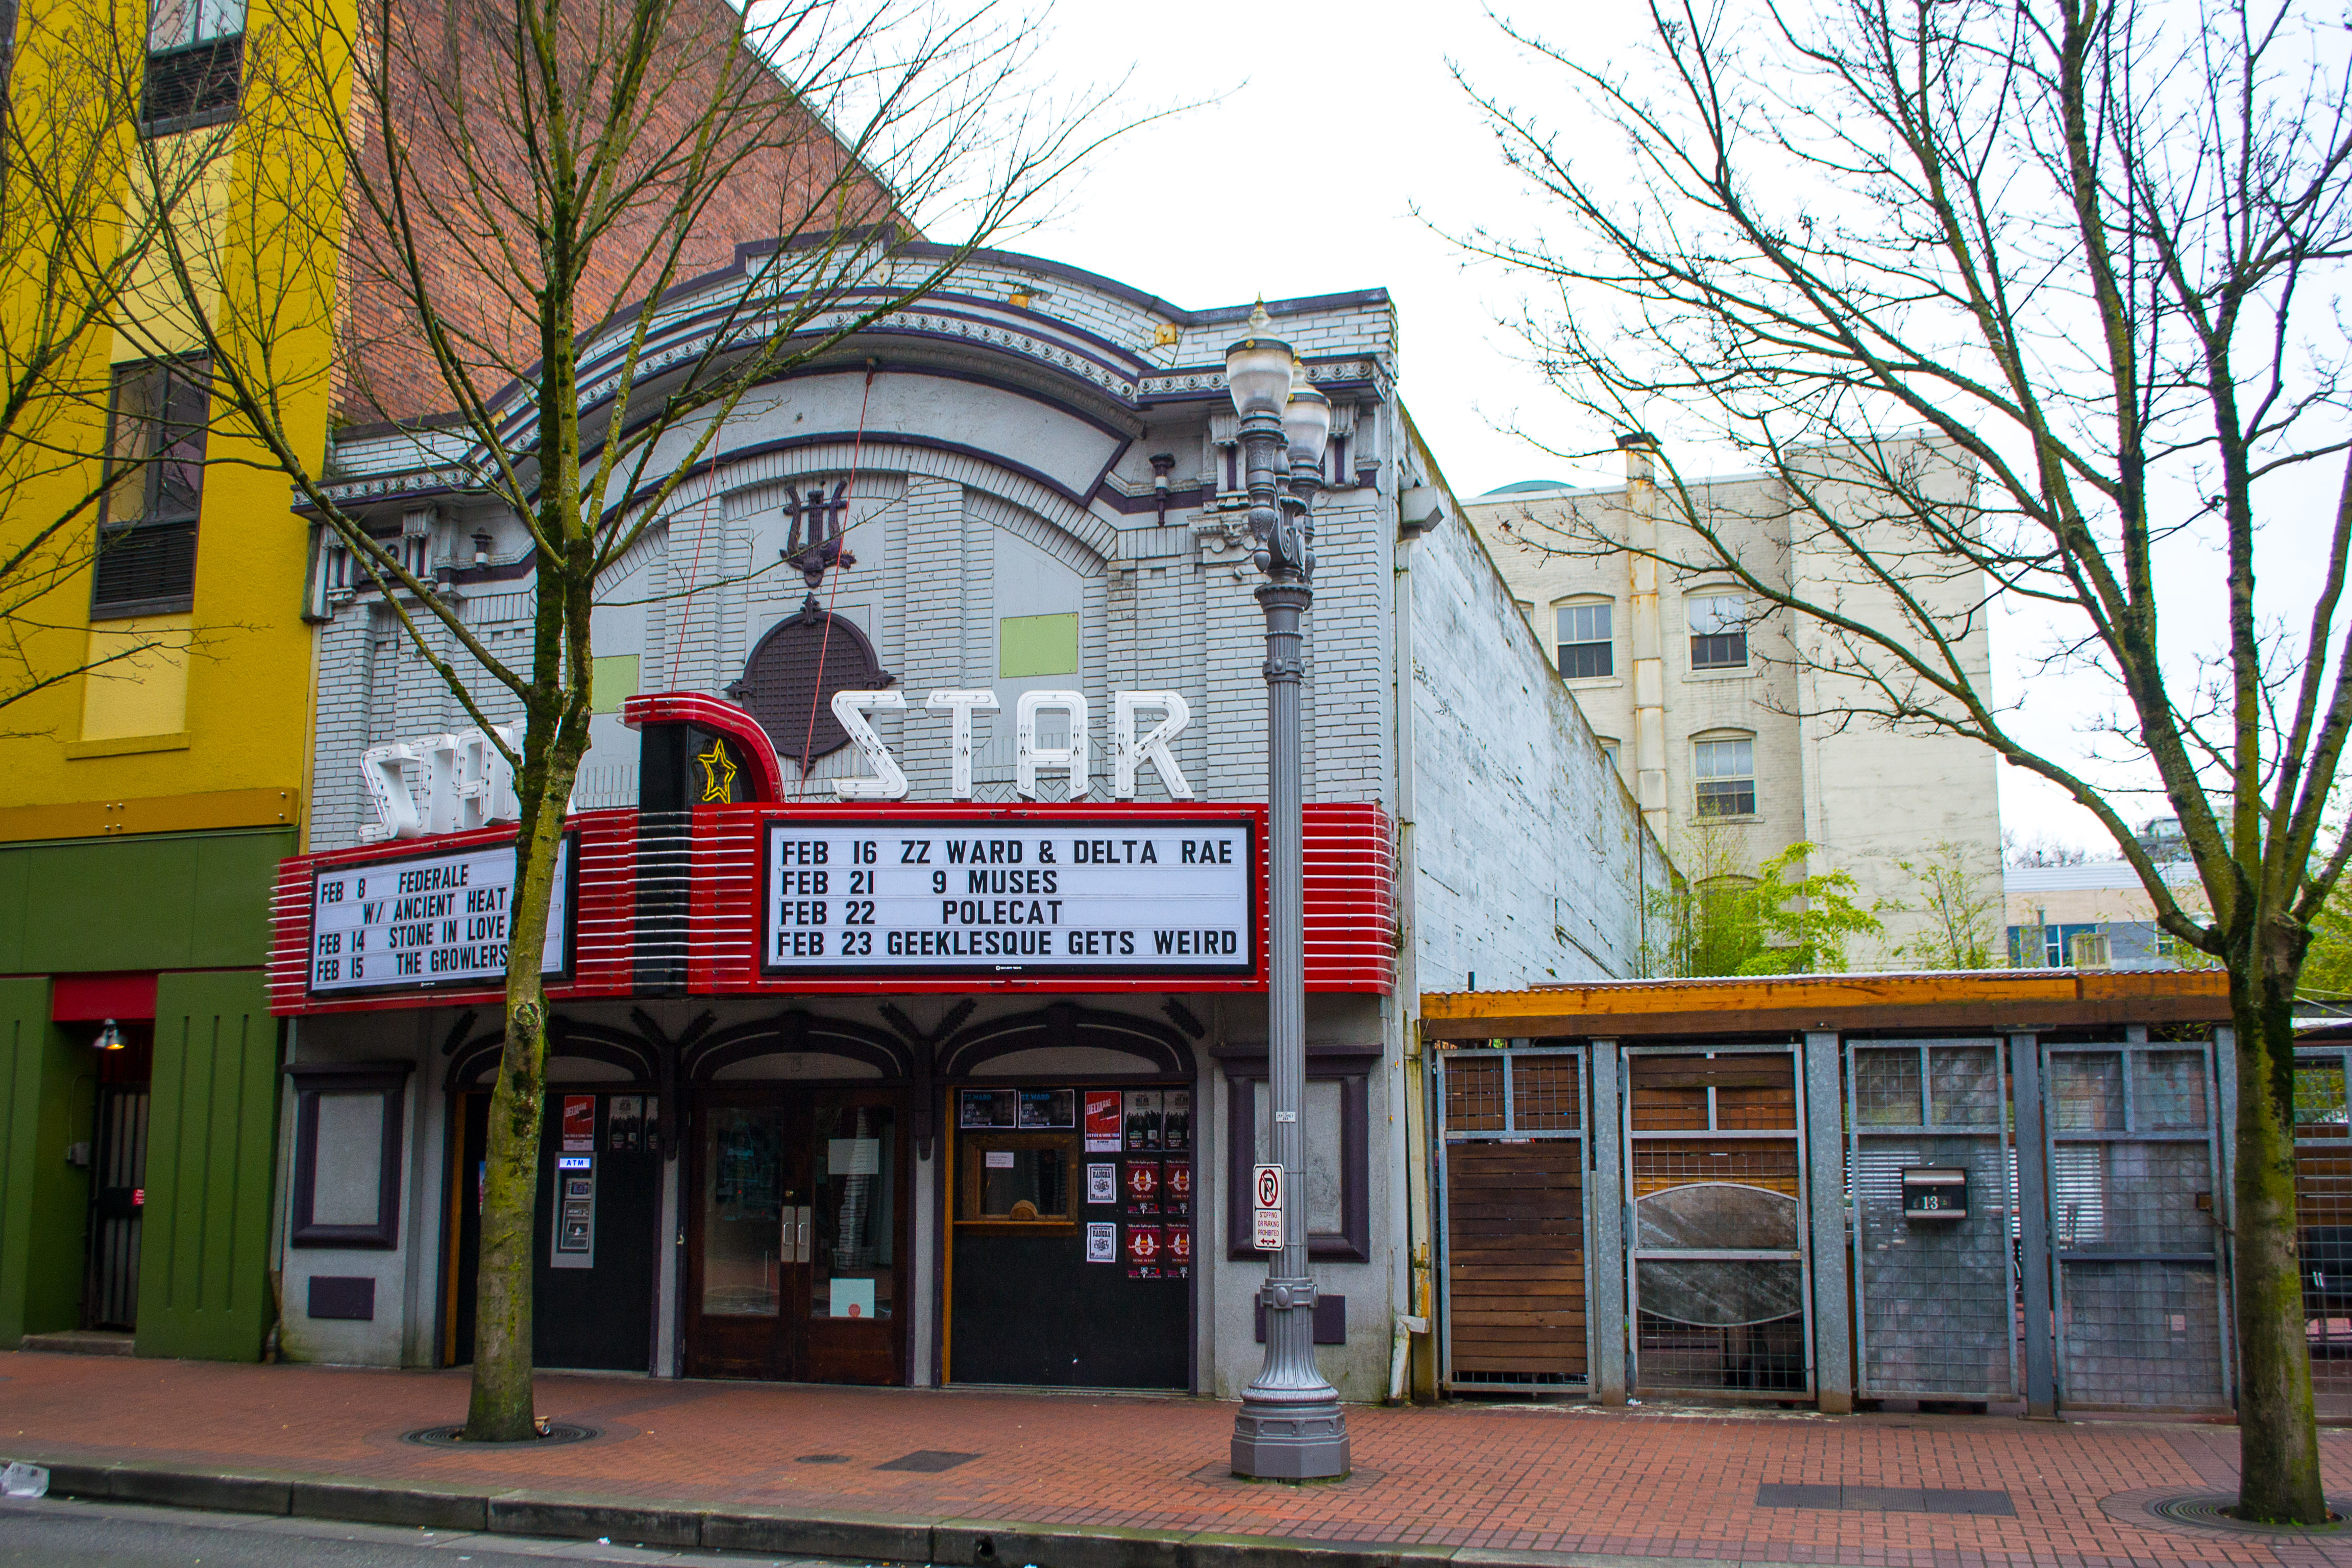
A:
x: 1727, y: 776
x: 1718, y: 623
x: 196, y: 64
x: 155, y: 477
x: 1582, y: 632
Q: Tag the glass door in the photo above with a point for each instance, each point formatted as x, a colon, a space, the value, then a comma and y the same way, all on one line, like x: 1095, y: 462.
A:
x: 796, y: 1237
x: 848, y: 1330
x: 750, y: 1222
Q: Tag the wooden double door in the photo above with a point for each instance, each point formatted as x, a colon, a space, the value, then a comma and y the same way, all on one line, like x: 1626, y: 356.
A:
x: 797, y: 1236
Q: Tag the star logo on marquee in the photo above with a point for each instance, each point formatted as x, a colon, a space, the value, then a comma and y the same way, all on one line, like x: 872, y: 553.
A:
x: 718, y: 774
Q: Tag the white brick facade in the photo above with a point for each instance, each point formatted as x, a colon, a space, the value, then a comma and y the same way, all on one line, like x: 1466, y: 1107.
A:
x: 1009, y: 474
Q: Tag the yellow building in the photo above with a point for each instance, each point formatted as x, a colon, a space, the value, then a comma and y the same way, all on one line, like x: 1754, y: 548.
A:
x: 152, y: 759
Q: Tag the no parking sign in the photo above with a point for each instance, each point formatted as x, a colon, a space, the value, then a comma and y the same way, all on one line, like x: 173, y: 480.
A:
x: 1265, y: 1208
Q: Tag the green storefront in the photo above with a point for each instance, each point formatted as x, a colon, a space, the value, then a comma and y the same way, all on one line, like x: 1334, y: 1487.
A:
x: 137, y: 1163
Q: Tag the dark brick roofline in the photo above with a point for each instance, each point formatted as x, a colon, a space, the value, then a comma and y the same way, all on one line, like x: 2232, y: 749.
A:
x: 747, y: 250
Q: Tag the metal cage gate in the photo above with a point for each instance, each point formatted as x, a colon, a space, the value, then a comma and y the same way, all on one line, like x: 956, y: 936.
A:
x: 1512, y: 1170
x: 2135, y: 1178
x: 1720, y: 1276
x: 2322, y: 1221
x: 1935, y: 1284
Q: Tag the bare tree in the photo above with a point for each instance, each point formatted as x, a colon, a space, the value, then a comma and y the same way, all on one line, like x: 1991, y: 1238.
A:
x: 74, y: 255
x: 2037, y: 296
x: 526, y: 184
x: 1960, y: 912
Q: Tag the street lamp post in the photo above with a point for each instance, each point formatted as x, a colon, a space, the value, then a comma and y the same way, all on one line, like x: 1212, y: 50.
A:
x: 1290, y: 1426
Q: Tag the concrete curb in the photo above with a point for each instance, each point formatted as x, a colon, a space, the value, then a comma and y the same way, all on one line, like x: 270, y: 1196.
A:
x: 951, y: 1543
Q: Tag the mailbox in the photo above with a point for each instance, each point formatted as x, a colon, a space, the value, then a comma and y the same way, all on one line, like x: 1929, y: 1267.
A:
x: 1932, y: 1192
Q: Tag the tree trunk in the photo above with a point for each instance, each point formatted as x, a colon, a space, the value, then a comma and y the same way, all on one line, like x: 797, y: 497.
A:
x: 502, y: 1409
x: 2278, y: 1438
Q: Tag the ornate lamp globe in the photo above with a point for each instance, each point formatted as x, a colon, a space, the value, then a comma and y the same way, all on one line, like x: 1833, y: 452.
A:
x: 1307, y: 421
x: 1257, y: 368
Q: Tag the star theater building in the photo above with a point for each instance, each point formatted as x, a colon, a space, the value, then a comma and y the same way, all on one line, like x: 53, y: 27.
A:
x: 909, y: 962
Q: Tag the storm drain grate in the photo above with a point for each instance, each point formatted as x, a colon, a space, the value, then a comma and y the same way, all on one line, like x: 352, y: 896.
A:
x: 930, y: 1462
x: 1885, y: 1500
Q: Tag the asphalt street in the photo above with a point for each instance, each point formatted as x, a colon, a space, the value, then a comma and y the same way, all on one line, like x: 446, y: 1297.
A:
x: 40, y: 1533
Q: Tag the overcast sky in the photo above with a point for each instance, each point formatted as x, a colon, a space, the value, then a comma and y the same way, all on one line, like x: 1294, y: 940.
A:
x: 1333, y: 125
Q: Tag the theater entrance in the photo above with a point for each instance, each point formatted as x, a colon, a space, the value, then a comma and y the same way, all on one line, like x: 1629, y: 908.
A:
x: 796, y: 1236
x: 592, y: 1230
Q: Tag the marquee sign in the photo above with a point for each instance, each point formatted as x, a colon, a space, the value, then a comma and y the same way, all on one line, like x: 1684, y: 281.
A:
x: 1104, y: 896
x: 427, y: 921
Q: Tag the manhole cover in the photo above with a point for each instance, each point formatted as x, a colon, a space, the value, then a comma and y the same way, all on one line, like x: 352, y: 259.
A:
x: 554, y: 1432
x: 2208, y: 1511
x: 822, y: 1459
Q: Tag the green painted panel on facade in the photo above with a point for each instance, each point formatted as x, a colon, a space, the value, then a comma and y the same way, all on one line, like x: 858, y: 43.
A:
x: 165, y: 901
x: 49, y: 1082
x: 1029, y: 646
x: 211, y: 1133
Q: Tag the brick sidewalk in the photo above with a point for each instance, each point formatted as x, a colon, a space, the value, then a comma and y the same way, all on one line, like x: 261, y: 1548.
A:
x: 1645, y: 1482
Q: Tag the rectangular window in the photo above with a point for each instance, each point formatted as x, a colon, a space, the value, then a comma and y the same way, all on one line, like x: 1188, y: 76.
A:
x: 2046, y: 946
x: 195, y: 60
x: 347, y: 1125
x: 1586, y: 651
x: 155, y: 477
x: 1609, y: 750
x: 1727, y: 778
x: 1335, y: 1183
x: 1718, y: 623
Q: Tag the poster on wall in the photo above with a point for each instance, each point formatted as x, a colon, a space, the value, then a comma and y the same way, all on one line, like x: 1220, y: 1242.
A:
x: 1049, y: 1107
x: 1144, y: 1252
x: 1176, y: 1188
x: 1102, y: 1241
x: 625, y: 1125
x: 1143, y: 1186
x: 990, y: 1108
x: 1144, y: 1118
x: 427, y: 921
x: 1102, y: 1122
x: 1176, y: 1121
x: 1102, y: 1184
x: 580, y: 1124
x: 1175, y: 1251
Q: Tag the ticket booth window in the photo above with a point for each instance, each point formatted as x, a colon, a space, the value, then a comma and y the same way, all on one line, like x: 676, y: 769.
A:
x: 1019, y: 1178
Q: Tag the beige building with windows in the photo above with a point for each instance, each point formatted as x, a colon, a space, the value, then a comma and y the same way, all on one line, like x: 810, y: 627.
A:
x: 1698, y: 696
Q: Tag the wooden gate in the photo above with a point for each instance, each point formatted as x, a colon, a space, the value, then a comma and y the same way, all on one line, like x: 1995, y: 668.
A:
x: 1512, y: 1166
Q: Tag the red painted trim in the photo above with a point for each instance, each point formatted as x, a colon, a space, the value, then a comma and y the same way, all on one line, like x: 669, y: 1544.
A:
x: 87, y: 998
x: 694, y: 708
x: 1350, y: 908
x: 604, y: 917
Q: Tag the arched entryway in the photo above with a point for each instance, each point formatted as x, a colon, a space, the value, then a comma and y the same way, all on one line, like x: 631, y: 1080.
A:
x: 1070, y: 1203
x: 797, y: 1201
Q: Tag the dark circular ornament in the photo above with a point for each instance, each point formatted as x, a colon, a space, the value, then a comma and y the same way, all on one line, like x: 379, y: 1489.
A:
x: 789, y: 680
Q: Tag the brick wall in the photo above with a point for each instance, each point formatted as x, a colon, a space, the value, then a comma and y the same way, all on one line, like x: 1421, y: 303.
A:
x: 779, y: 162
